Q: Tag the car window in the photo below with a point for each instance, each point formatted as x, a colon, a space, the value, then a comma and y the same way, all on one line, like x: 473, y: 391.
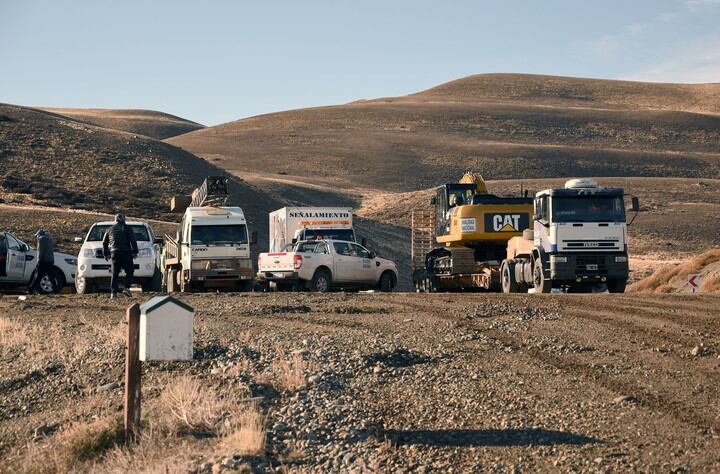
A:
x: 359, y: 251
x: 342, y: 248
x: 12, y: 243
x: 321, y: 248
x: 307, y: 247
x: 97, y: 232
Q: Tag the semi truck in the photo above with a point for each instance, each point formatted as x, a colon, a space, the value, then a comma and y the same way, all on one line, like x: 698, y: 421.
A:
x: 211, y: 249
x: 293, y: 224
x: 473, y: 240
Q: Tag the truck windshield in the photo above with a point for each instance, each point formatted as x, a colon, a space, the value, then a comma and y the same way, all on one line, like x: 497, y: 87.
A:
x: 588, y: 209
x: 98, y: 232
x: 219, y: 234
x: 333, y: 234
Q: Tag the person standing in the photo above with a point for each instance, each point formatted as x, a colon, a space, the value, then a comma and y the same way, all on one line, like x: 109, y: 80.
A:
x: 120, y: 245
x: 45, y: 261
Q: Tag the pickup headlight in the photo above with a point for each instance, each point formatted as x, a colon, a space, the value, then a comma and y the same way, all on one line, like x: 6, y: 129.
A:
x: 88, y: 253
x: 71, y: 261
x: 144, y: 253
x: 558, y: 258
x: 621, y: 259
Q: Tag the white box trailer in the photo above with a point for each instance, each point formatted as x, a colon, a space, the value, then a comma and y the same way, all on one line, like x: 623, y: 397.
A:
x: 290, y: 224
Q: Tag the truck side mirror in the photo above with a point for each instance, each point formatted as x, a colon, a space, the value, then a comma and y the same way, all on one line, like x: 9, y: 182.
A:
x: 159, y: 240
x: 372, y: 254
x: 433, y: 200
x: 363, y: 242
x: 253, y: 237
x: 635, y: 204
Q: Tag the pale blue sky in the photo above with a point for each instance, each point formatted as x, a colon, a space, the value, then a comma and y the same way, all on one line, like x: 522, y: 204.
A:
x: 216, y: 61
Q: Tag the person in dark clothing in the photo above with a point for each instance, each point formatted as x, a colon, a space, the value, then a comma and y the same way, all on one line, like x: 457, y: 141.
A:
x: 120, y: 245
x: 45, y: 261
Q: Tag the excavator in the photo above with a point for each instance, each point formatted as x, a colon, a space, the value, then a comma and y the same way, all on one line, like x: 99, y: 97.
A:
x: 460, y: 242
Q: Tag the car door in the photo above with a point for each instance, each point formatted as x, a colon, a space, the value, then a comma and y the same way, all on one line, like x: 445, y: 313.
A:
x: 364, y: 263
x: 343, y: 262
x: 15, y: 259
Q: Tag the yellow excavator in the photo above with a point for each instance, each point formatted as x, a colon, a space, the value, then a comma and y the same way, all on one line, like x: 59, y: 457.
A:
x: 459, y: 243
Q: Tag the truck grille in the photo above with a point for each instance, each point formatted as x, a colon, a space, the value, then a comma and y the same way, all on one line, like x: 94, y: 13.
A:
x: 592, y: 244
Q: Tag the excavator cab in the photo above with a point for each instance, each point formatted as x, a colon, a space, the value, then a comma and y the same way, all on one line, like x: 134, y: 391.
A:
x: 449, y: 196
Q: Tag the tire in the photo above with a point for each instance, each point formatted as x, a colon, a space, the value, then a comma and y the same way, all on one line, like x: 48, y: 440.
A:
x: 321, y: 281
x: 387, y: 282
x: 507, y: 277
x: 154, y: 284
x: 85, y: 286
x: 542, y: 284
x: 53, y: 282
x: 616, y: 286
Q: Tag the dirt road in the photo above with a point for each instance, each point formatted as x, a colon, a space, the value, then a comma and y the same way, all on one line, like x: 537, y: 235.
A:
x: 420, y: 383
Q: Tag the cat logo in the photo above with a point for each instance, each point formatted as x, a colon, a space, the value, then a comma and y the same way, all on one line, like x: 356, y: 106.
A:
x: 506, y: 222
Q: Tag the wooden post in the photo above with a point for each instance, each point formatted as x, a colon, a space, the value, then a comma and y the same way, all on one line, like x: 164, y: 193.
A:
x: 132, y: 376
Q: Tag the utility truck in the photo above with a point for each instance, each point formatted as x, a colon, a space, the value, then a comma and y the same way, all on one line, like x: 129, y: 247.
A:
x: 579, y: 242
x: 323, y: 264
x: 569, y: 239
x: 293, y: 224
x: 211, y: 249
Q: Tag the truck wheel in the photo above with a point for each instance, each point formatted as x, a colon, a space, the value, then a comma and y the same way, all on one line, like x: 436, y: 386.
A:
x: 321, y: 281
x: 616, y: 286
x: 84, y: 286
x: 387, y: 282
x: 542, y: 283
x: 507, y: 277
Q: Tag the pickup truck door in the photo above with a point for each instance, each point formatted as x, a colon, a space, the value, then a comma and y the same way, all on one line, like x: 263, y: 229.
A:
x: 365, y: 265
x: 15, y: 259
x: 344, y: 262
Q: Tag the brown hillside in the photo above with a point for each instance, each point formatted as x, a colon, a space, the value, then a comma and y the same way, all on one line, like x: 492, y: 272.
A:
x: 50, y: 160
x: 144, y: 122
x: 416, y: 141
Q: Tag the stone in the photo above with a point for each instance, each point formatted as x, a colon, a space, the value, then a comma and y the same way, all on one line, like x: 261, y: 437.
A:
x: 108, y: 387
x: 697, y: 351
x: 625, y: 399
x: 377, y: 369
x: 313, y: 379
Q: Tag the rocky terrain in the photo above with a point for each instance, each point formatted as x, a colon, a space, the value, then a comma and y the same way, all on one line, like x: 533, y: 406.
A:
x: 375, y: 383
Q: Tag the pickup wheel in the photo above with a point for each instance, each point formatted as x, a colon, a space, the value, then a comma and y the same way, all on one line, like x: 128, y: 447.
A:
x: 387, y: 282
x: 51, y: 283
x: 85, y: 286
x: 321, y: 281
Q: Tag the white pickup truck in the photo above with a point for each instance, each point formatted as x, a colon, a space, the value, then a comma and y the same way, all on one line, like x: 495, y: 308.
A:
x: 321, y: 265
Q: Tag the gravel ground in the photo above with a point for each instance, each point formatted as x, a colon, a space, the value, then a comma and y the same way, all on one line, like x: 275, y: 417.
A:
x: 402, y: 382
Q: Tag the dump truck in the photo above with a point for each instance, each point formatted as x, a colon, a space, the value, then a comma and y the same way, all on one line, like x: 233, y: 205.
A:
x: 473, y: 240
x: 211, y: 249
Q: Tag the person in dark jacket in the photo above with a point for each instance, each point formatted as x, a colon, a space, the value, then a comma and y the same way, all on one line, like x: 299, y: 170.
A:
x: 120, y: 245
x: 45, y: 261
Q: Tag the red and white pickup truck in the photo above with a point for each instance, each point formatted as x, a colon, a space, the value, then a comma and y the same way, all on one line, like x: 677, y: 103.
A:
x: 321, y: 265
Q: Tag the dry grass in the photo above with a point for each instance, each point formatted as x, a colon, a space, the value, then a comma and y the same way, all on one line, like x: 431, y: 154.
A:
x: 249, y: 435
x: 711, y: 284
x: 289, y: 372
x: 14, y: 335
x: 661, y: 280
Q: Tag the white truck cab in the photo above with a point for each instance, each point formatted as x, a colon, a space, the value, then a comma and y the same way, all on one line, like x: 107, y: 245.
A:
x: 320, y: 265
x: 94, y: 271
x: 20, y: 261
x: 212, y: 250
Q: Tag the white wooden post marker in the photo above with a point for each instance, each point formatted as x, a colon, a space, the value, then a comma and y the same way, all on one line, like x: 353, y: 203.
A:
x: 166, y: 329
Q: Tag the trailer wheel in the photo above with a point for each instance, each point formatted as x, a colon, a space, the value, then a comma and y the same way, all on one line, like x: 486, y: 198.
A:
x: 616, y: 286
x: 321, y: 281
x: 542, y: 283
x: 507, y: 277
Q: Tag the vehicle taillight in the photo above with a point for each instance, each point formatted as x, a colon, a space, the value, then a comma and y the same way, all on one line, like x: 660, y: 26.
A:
x: 297, y: 261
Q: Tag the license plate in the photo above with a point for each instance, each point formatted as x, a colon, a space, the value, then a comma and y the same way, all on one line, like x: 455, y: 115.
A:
x: 591, y: 266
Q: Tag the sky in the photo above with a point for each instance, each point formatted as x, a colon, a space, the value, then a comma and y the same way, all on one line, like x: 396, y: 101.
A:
x: 217, y: 61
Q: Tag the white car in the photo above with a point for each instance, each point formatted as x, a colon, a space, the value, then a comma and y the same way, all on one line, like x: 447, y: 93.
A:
x: 94, y: 271
x: 321, y: 265
x: 20, y: 263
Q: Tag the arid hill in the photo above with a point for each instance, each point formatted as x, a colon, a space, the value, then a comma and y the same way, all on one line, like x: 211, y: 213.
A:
x: 150, y: 123
x: 506, y: 126
x: 50, y: 160
x: 674, y: 278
